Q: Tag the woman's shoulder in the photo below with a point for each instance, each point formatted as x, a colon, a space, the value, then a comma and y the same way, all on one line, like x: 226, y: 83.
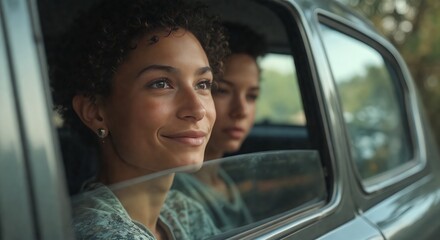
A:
x: 97, y: 214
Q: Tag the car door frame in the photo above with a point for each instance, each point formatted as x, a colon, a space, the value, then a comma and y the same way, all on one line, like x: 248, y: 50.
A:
x: 36, y: 161
x: 391, y: 201
x: 338, y: 216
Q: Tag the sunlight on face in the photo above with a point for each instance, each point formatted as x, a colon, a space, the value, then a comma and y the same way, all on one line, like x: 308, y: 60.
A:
x: 235, y: 103
x: 161, y: 112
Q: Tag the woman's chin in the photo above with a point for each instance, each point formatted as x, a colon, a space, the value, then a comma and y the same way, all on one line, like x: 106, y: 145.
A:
x: 232, y: 147
x: 190, y: 165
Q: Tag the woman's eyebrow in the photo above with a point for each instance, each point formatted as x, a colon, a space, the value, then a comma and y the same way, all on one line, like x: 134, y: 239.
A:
x: 203, y: 70
x: 170, y: 69
x: 163, y: 68
x: 227, y: 82
x: 256, y: 88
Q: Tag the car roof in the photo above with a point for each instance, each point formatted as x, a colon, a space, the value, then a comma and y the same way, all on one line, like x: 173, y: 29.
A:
x: 253, y: 13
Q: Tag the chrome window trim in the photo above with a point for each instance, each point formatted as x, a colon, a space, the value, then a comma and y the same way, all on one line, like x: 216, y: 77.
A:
x: 51, y: 204
x: 419, y: 161
x: 16, y: 222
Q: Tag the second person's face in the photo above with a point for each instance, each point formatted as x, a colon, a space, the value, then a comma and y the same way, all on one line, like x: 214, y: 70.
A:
x: 235, y: 103
x: 161, y: 112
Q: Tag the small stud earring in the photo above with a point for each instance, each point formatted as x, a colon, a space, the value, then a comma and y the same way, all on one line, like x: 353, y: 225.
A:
x: 102, y: 133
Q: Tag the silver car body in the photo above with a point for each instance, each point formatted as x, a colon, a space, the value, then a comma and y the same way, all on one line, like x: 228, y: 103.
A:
x: 34, y: 203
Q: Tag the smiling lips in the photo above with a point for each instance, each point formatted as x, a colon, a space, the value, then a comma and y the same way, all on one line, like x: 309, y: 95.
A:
x: 191, y: 138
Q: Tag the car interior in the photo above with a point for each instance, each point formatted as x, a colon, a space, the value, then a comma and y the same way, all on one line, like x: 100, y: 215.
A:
x: 281, y: 167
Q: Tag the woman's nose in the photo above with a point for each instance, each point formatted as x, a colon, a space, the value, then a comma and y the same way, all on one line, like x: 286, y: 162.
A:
x: 191, y: 106
x: 238, y: 107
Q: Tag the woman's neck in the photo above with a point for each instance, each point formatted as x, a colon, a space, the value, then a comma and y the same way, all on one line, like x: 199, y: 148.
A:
x: 208, y: 174
x: 212, y: 153
x: 144, y: 201
x: 115, y: 169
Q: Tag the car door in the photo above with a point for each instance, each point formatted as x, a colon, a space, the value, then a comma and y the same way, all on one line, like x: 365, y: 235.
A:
x: 394, y: 171
x: 33, y: 199
x: 14, y: 185
x: 340, y: 220
x: 33, y: 181
x: 337, y: 217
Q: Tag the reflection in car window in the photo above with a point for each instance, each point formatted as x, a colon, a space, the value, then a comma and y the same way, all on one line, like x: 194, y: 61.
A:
x: 262, y: 185
x: 371, y: 104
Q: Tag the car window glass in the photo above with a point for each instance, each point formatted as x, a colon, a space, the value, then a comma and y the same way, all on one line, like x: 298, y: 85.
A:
x: 280, y: 121
x: 260, y: 186
x: 276, y: 172
x: 276, y: 182
x: 372, y: 105
x: 279, y: 75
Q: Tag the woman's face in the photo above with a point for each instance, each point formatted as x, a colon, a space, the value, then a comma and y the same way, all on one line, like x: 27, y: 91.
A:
x: 160, y: 113
x: 235, y: 103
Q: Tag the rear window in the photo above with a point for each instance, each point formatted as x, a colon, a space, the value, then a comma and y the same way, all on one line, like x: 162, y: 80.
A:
x: 372, y: 102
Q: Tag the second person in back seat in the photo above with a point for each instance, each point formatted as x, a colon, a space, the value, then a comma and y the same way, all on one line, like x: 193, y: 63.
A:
x: 235, y: 102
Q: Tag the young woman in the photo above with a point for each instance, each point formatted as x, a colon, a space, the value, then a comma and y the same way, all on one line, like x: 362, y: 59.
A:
x: 134, y: 78
x: 235, y: 102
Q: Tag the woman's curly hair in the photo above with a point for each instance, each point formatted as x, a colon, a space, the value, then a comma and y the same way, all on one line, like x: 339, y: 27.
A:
x: 84, y: 59
x: 243, y: 39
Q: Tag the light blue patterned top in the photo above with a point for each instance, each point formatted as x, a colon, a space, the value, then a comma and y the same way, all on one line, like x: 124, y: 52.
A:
x: 98, y: 214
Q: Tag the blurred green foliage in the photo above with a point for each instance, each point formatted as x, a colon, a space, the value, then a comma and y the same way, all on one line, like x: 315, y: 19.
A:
x: 413, y: 27
x: 288, y: 106
x: 380, y: 141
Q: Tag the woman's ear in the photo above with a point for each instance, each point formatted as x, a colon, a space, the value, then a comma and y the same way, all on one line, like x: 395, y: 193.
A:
x: 89, y: 113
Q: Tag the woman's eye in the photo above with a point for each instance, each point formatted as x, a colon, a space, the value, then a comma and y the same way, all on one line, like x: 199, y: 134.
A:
x: 220, y: 90
x: 252, y: 97
x: 163, y: 83
x: 204, y: 85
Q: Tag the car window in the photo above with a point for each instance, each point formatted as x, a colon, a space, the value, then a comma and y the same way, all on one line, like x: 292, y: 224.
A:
x: 280, y: 121
x: 371, y: 103
x: 279, y: 75
x: 279, y: 171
